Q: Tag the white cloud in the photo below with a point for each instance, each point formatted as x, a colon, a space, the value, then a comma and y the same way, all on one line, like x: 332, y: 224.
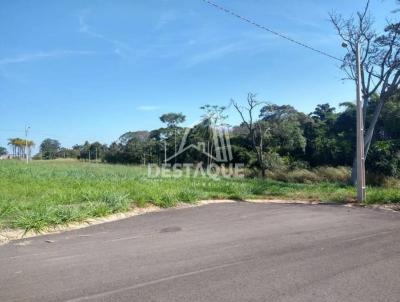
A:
x: 165, y: 18
x: 148, y: 108
x: 28, y: 57
x: 213, y: 54
x: 121, y: 49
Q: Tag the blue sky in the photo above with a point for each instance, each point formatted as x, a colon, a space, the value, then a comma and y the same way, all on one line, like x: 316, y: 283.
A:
x: 92, y: 70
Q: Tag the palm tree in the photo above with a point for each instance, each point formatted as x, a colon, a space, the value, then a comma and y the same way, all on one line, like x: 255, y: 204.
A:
x: 12, y: 143
x: 21, y: 148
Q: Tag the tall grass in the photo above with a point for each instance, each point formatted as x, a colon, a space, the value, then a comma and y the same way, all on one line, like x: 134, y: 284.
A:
x: 319, y: 174
x: 48, y: 193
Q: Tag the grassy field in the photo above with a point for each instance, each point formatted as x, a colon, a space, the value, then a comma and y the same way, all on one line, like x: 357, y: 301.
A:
x: 43, y: 194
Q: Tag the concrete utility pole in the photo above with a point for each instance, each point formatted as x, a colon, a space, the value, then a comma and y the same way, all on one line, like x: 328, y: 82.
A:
x: 175, y: 145
x: 165, y: 152
x: 360, y: 133
x: 26, y: 143
x: 360, y: 128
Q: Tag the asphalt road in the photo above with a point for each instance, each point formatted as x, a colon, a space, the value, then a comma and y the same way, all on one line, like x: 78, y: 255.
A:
x: 219, y: 252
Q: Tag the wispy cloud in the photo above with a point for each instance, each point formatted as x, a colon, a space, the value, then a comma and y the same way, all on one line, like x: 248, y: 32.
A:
x: 120, y: 48
x: 247, y: 42
x: 148, y: 108
x: 213, y: 54
x: 165, y: 18
x: 28, y: 57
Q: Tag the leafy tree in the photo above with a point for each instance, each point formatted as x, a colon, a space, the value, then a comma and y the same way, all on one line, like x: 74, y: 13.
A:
x: 134, y: 135
x: 3, y: 151
x: 388, y: 126
x: 173, y: 120
x: 324, y: 112
x: 91, y: 151
x: 273, y: 112
x: 67, y: 153
x: 385, y: 158
x: 285, y: 135
x: 49, y: 148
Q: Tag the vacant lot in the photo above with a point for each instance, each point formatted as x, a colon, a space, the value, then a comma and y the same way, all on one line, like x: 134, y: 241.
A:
x: 43, y: 194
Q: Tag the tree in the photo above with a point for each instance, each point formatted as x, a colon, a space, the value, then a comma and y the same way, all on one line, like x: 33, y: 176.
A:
x: 380, y: 60
x: 20, y: 147
x: 285, y: 135
x: 67, y: 153
x: 255, y: 130
x: 273, y: 112
x: 388, y: 126
x: 133, y: 147
x: 213, y: 118
x: 324, y: 112
x: 49, y: 148
x: 173, y: 120
x: 134, y: 135
x: 3, y: 151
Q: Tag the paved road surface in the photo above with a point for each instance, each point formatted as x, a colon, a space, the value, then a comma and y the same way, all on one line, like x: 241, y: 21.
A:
x: 219, y: 252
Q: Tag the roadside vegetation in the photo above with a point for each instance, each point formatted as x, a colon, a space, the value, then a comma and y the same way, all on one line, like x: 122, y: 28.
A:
x: 47, y: 193
x: 288, y: 154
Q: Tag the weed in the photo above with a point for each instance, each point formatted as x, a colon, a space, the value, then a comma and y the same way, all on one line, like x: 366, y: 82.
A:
x: 47, y: 193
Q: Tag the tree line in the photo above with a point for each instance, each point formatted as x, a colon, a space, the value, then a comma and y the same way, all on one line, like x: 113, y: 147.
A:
x: 272, y: 136
x: 20, y: 148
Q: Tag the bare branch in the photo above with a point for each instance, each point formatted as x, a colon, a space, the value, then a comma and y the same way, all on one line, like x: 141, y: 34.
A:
x: 380, y: 59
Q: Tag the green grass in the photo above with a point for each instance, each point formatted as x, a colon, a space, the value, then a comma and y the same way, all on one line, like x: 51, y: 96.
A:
x: 43, y: 194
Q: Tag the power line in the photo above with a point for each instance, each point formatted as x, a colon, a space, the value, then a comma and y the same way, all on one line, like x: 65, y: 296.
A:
x: 11, y: 130
x: 229, y: 12
x: 45, y: 134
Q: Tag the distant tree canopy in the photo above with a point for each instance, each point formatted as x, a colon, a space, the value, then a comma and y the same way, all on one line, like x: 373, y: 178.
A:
x: 172, y: 119
x: 3, y: 151
x: 49, y: 148
x: 20, y: 147
x: 90, y: 151
x: 278, y: 137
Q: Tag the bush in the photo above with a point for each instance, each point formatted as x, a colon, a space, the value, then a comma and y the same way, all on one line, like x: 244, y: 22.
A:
x: 382, y: 181
x: 334, y: 174
x: 384, y: 158
x: 303, y: 176
x: 320, y: 174
x: 299, y: 164
x: 298, y: 176
x: 274, y: 161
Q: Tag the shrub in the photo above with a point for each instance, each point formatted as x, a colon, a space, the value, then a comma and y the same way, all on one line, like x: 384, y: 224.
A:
x: 384, y: 158
x: 320, y: 174
x: 334, y: 174
x: 302, y: 176
x: 274, y: 161
x: 299, y: 164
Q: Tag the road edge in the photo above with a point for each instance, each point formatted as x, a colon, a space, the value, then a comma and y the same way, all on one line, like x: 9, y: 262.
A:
x: 16, y: 234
